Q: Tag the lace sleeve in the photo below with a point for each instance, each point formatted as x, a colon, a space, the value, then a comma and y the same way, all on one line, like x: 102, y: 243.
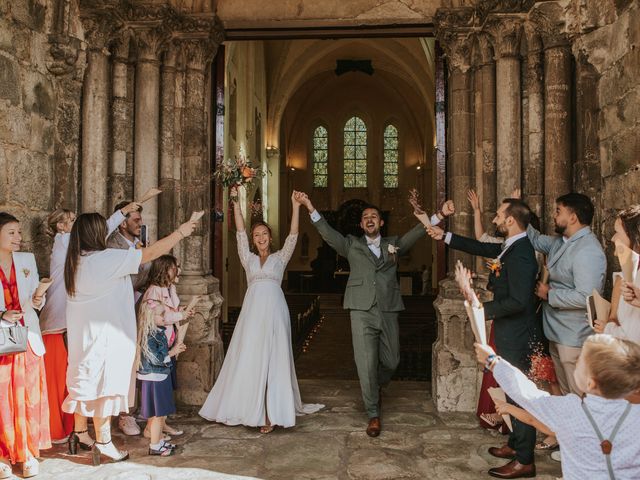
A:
x: 288, y: 248
x: 243, y: 248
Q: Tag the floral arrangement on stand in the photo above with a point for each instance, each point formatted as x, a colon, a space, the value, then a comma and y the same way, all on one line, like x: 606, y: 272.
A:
x: 236, y: 172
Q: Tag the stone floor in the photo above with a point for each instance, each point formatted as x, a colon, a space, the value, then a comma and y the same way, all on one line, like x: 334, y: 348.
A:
x: 416, y: 443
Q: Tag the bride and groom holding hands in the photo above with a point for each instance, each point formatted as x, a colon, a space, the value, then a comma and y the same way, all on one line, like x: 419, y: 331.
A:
x: 257, y: 385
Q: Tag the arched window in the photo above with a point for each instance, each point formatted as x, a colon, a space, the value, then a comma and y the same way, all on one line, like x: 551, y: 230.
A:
x: 390, y: 166
x: 320, y: 157
x: 355, y: 153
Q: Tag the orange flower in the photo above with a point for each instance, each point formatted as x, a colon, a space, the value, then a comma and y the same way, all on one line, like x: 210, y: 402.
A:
x: 247, y: 172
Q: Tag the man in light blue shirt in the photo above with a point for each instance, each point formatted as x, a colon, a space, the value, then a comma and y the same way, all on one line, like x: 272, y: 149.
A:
x: 577, y: 265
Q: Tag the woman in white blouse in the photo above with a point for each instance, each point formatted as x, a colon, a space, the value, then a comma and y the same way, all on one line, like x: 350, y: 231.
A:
x: 625, y: 322
x: 101, y: 326
x: 53, y: 318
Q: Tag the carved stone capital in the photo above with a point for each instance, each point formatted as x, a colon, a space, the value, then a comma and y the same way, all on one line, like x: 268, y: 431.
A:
x: 100, y: 29
x: 548, y: 19
x: 151, y: 42
x: 457, y: 48
x: 447, y: 19
x: 485, y: 49
x: 505, y: 32
x: 198, y: 53
x: 63, y: 53
x: 533, y: 38
x: 487, y: 7
x: 121, y: 45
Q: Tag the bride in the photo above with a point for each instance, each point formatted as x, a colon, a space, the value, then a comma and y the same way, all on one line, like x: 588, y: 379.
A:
x: 257, y: 385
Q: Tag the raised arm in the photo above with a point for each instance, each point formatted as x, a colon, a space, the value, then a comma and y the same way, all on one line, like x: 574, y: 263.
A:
x: 478, y: 229
x: 335, y: 239
x: 542, y: 243
x: 164, y: 245
x: 296, y: 202
x: 119, y: 215
x: 237, y: 211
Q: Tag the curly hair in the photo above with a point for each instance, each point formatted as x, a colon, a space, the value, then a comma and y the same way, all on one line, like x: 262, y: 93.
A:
x: 57, y: 216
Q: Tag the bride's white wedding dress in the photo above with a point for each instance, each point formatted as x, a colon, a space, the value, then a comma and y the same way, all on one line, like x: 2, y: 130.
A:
x: 259, y: 362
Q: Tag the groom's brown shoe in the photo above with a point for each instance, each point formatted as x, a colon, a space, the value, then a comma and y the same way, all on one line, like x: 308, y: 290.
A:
x: 374, y: 427
x: 504, y: 451
x: 514, y: 469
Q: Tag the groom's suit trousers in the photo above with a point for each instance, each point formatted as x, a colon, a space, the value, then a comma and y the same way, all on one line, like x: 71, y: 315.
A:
x: 376, y: 349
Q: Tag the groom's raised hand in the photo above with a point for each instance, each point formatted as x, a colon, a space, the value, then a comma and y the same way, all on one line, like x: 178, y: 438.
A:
x: 306, y: 201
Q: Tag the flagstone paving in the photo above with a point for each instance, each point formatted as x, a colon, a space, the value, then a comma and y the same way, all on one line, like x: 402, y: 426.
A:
x: 416, y: 443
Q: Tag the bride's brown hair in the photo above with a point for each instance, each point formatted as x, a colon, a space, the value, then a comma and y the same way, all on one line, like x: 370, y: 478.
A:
x: 253, y: 227
x: 89, y: 234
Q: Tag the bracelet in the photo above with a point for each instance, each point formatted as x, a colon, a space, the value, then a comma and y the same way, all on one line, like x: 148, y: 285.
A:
x: 491, y: 359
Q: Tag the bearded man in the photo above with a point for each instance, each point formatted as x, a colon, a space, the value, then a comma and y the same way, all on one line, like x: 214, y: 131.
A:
x: 512, y: 279
x: 373, y: 298
x: 577, y: 265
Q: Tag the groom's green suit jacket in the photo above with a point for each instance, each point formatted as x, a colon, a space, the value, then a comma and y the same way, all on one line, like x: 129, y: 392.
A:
x: 371, y: 280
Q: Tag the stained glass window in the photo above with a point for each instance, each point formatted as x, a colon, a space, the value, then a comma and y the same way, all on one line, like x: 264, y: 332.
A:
x: 355, y: 153
x: 390, y: 165
x: 320, y: 157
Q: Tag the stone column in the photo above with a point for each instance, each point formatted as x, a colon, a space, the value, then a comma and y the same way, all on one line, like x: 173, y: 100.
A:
x: 460, y: 138
x: 506, y: 32
x: 488, y: 130
x: 168, y: 182
x: 588, y: 173
x: 455, y: 378
x: 95, y: 114
x: 147, y: 122
x: 557, y: 122
x: 121, y: 122
x: 533, y: 164
x: 203, y: 360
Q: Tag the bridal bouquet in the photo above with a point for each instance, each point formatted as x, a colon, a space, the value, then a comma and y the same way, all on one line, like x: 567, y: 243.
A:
x: 236, y: 172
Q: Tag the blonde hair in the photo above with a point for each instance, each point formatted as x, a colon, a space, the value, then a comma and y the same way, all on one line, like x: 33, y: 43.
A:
x: 146, y: 327
x: 55, y: 217
x: 613, y: 363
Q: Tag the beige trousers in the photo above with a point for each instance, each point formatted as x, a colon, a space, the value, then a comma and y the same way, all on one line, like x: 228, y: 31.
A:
x: 564, y: 361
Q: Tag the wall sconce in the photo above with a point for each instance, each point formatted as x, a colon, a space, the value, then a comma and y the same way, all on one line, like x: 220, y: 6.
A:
x: 272, y: 151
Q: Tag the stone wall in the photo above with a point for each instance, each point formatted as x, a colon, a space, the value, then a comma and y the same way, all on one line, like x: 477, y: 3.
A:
x: 610, y: 46
x: 41, y: 67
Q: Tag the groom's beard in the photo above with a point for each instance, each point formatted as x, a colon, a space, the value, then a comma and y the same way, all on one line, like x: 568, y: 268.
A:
x: 559, y: 229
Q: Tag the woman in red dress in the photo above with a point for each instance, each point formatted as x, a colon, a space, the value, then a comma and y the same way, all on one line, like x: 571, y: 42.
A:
x: 24, y: 410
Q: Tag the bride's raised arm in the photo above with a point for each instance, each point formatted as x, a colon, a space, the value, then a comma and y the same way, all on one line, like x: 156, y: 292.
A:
x: 237, y: 211
x: 296, y: 198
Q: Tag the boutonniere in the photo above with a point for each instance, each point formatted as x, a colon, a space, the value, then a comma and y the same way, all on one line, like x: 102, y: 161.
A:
x: 495, y: 266
x: 26, y: 272
x: 392, y: 249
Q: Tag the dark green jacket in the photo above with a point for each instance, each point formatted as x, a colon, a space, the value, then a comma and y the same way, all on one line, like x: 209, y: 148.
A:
x: 371, y: 280
x: 514, y: 304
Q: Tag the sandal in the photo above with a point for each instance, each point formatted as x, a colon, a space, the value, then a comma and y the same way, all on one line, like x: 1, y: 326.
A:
x: 165, y: 450
x: 267, y: 429
x: 547, y: 445
x: 492, y: 419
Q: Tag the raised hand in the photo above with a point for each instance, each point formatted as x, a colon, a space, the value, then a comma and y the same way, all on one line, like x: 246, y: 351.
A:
x: 130, y: 208
x: 448, y: 208
x: 187, y: 228
x: 435, y: 232
x: 472, y: 196
x: 413, y: 200
x: 463, y: 278
x: 179, y: 348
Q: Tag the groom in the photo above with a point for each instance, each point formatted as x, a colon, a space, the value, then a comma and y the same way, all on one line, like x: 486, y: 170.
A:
x: 373, y: 298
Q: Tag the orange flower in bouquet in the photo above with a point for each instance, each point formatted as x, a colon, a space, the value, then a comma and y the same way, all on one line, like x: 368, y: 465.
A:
x: 236, y: 172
